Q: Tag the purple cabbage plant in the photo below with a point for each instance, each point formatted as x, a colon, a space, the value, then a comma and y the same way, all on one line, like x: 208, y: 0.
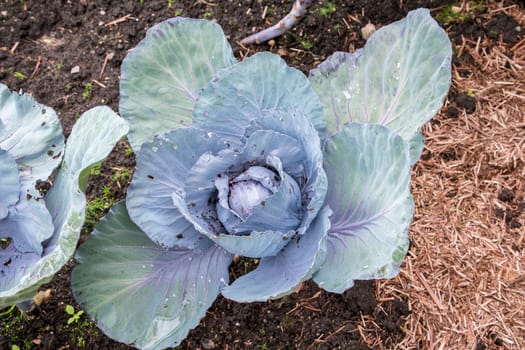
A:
x: 310, y: 175
x: 39, y: 231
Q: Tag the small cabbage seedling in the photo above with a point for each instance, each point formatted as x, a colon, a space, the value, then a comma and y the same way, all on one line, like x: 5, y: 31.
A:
x: 308, y: 174
x: 40, y: 221
x: 75, y: 316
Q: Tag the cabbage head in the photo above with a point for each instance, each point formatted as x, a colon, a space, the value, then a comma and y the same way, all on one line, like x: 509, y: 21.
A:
x: 39, y: 231
x: 309, y: 175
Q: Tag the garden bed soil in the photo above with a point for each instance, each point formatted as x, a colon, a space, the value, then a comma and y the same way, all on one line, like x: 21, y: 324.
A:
x: 67, y: 55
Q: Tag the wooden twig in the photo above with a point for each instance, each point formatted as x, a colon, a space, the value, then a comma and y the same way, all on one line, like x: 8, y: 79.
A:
x: 297, y: 12
x: 12, y: 51
x: 37, y: 64
x: 118, y: 20
x: 109, y: 56
x: 99, y: 83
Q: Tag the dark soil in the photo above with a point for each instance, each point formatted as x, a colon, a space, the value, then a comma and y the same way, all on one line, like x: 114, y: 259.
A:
x: 509, y: 215
x: 67, y: 54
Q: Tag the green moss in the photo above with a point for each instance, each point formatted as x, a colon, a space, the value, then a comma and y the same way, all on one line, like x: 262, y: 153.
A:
x: 327, y: 9
x: 95, y: 170
x: 98, y: 206
x: 121, y: 176
x: 12, y: 321
x: 455, y: 13
x: 307, y: 45
x: 86, y: 94
x: 449, y: 14
x: 129, y: 150
x: 20, y: 75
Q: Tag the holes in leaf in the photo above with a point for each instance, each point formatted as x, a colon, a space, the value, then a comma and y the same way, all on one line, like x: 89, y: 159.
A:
x: 241, y: 266
x: 43, y: 186
x: 5, y: 242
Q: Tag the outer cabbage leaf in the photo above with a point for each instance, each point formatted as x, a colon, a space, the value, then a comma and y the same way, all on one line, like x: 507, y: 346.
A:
x: 398, y: 80
x: 416, y: 145
x: 164, y: 73
x: 260, y: 84
x: 140, y: 293
x: 31, y: 136
x: 368, y: 169
x: 10, y: 184
x: 66, y: 203
x: 28, y: 225
x: 31, y: 133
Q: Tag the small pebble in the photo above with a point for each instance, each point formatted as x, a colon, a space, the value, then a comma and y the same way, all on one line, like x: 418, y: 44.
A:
x: 208, y: 344
x: 368, y: 30
x: 282, y: 52
x: 42, y: 297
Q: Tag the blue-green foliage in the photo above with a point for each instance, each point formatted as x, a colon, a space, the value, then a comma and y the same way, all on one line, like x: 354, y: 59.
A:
x: 308, y: 174
x: 39, y: 230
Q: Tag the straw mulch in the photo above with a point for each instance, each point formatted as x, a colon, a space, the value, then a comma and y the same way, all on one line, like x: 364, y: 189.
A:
x: 464, y: 276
